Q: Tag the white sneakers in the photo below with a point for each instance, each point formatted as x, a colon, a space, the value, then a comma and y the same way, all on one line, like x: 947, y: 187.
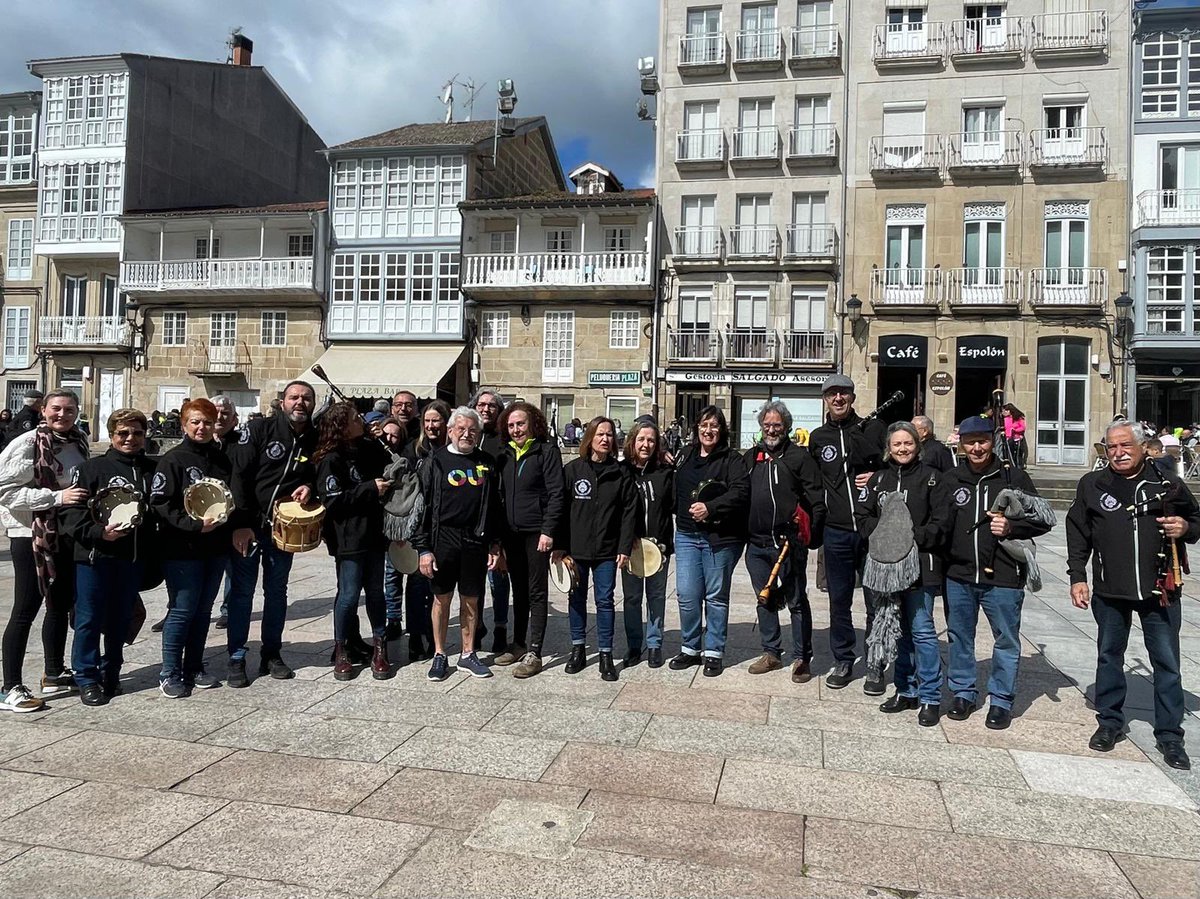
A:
x: 19, y: 699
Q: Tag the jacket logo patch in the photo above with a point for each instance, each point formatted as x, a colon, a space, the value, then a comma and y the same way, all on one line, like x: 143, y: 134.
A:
x: 829, y: 452
x: 354, y: 475
x: 275, y: 450
x: 115, y: 481
x: 962, y: 496
x: 863, y: 493
x: 194, y: 474
x: 583, y: 489
x: 1109, y: 503
x: 243, y: 437
x: 75, y: 478
x: 158, y: 482
x: 331, y: 484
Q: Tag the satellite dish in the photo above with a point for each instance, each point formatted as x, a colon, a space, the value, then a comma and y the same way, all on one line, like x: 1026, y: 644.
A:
x: 643, y: 112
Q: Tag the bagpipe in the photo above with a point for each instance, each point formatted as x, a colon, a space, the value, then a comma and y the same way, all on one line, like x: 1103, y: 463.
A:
x: 1172, y: 558
x: 801, y: 521
x: 892, y: 400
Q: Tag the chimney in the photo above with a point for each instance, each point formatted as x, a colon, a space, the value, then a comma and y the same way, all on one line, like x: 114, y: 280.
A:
x: 242, y: 48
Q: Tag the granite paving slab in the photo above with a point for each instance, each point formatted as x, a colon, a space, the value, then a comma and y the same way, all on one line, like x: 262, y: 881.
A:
x: 268, y: 693
x: 473, y: 752
x: 411, y: 707
x: 298, y: 733
x: 833, y: 794
x: 11, y: 850
x: 727, y: 739
x: 330, y: 785
x: 921, y: 759
x: 530, y: 828
x: 299, y: 846
x: 153, y: 715
x: 136, y: 820
x: 20, y: 791
x: 53, y: 873
x: 565, y: 723
x: 737, y: 679
x: 1160, y: 878
x: 686, y: 702
x: 245, y: 888
x: 455, y: 801
x: 1036, y: 736
x: 848, y: 717
x: 18, y: 738
x: 667, y: 775
x: 409, y: 677
x: 1100, y: 778
x: 552, y: 686
x: 120, y: 758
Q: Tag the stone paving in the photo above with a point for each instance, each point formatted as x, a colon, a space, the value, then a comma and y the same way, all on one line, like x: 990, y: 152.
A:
x: 665, y: 783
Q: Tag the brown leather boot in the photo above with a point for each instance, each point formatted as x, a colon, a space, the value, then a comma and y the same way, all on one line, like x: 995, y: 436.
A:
x: 381, y: 668
x: 342, y: 667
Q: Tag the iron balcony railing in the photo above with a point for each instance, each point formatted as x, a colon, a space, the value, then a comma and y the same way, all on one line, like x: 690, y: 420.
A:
x: 761, y: 142
x: 707, y: 49
x: 1069, y: 286
x: 1169, y: 207
x: 813, y: 43
x: 984, y: 149
x: 1068, y: 147
x: 906, y: 287
x: 754, y: 241
x: 812, y: 141
x: 758, y: 45
x: 986, y: 37
x: 751, y: 345
x: 1070, y: 32
x: 989, y: 286
x: 811, y: 242
x: 705, y: 145
x: 703, y: 242
x: 693, y: 344
x: 909, y: 42
x: 808, y: 348
x: 902, y: 153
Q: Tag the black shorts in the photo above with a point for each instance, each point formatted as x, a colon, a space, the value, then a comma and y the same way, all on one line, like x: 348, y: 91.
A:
x: 461, y: 562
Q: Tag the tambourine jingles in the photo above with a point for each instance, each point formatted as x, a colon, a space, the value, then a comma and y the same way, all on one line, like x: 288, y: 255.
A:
x: 403, y: 557
x: 296, y: 528
x: 645, y: 559
x: 709, y: 490
x: 119, y: 506
x: 564, y: 575
x: 208, y: 498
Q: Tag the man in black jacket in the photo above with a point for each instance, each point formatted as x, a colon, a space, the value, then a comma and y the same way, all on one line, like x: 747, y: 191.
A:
x: 1130, y: 505
x: 27, y: 416
x: 489, y: 403
x: 847, y: 450
x: 979, y: 574
x: 783, y: 479
x: 273, y: 465
x: 934, y: 453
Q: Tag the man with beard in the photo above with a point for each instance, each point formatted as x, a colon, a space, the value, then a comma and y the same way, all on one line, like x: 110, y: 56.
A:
x: 847, y: 449
x: 274, y: 465
x: 404, y: 410
x: 783, y: 479
x: 488, y: 402
x: 1128, y: 506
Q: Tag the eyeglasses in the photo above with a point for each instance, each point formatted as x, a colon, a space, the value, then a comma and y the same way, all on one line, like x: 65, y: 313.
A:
x: 839, y: 391
x: 772, y: 426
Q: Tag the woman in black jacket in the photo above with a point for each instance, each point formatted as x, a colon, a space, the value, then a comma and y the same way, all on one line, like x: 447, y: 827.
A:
x: 531, y: 483
x: 918, y: 669
x: 194, y: 552
x: 712, y: 491
x: 418, y: 597
x: 350, y: 485
x: 655, y: 481
x: 600, y: 524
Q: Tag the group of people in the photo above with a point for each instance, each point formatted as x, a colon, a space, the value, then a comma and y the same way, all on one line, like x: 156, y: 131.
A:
x: 481, y: 495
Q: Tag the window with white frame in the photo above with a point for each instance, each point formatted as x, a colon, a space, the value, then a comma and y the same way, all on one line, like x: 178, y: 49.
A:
x: 174, y: 329
x: 808, y: 310
x: 16, y: 336
x: 502, y: 242
x: 1161, y: 69
x: 699, y: 234
x: 624, y: 330
x: 20, y: 250
x: 494, y: 331
x: 618, y: 239
x: 273, y: 329
x: 74, y: 296
x: 1066, y: 248
x: 85, y: 110
x: 399, y: 196
x: 560, y: 240
x: 1166, y: 271
x: 206, y: 251
x: 750, y: 309
x: 695, y: 311
x: 300, y: 246
x: 754, y: 234
x: 16, y: 147
x: 558, y: 347
x: 395, y: 293
x: 222, y: 330
x: 80, y: 201
x: 112, y: 303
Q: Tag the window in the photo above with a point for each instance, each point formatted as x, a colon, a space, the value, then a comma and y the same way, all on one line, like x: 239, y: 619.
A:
x: 618, y: 240
x: 698, y: 236
x: 494, y: 334
x: 982, y: 134
x: 222, y: 330
x: 20, y: 250
x: 624, y: 330
x: 815, y: 34
x: 756, y: 136
x: 813, y: 134
x: 80, y: 201
x: 395, y: 293
x: 1161, y: 64
x: 750, y: 309
x: 704, y: 41
x: 558, y: 347
x: 906, y: 32
x: 16, y: 336
x: 16, y: 147
x: 903, y: 136
x: 559, y: 240
x: 398, y: 196
x: 174, y: 329
x: 112, y: 302
x: 202, y: 248
x: 808, y: 311
x: 1066, y: 254
x: 622, y: 410
x: 702, y: 137
x: 502, y: 242
x: 750, y: 338
x: 1063, y: 136
x: 983, y: 245
x: 300, y: 246
x: 16, y: 393
x: 754, y: 234
x: 74, y: 296
x: 810, y: 232
x: 85, y: 110
x: 1166, y: 270
x: 273, y: 329
x: 904, y: 251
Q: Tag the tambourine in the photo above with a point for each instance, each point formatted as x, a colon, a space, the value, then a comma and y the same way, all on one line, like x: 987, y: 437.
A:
x: 403, y: 557
x: 208, y: 498
x: 564, y: 575
x: 296, y: 528
x: 118, y: 506
x: 646, y: 558
x: 708, y: 490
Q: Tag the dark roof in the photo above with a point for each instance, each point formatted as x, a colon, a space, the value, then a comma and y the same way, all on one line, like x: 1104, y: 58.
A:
x: 640, y: 196
x: 21, y: 98
x: 433, y: 134
x: 276, y: 209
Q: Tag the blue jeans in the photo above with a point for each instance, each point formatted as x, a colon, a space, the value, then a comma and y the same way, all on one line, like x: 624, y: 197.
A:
x: 702, y: 578
x: 359, y: 574
x: 793, y: 578
x: 604, y: 578
x: 1002, y: 606
x: 500, y: 591
x: 393, y: 590
x: 1160, y: 630
x: 918, y: 670
x: 845, y: 552
x: 654, y: 589
x: 105, y: 594
x: 276, y: 565
x: 192, y: 585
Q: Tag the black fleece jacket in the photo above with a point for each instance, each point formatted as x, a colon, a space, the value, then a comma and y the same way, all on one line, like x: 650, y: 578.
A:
x: 113, y: 469
x: 346, y: 488
x: 270, y: 465
x: 179, y: 534
x: 601, y: 519
x: 656, y: 502
x: 843, y: 450
x: 1124, y: 545
x: 972, y: 549
x: 534, y: 496
x: 928, y: 502
x: 780, y: 480
x: 726, y: 522
x: 434, y: 473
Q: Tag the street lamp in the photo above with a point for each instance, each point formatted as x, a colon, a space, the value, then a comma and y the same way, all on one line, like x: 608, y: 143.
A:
x: 854, y: 309
x: 1124, y: 306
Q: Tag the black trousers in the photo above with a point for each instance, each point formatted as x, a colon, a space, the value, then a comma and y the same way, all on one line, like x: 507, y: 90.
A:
x: 27, y: 599
x: 529, y: 573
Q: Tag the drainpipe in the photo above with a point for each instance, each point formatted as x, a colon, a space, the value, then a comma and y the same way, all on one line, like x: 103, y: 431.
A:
x: 652, y: 266
x: 840, y: 284
x: 1127, y: 356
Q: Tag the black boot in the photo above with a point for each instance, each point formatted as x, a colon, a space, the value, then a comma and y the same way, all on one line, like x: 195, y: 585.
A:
x: 499, y: 640
x: 607, y: 671
x: 577, y: 660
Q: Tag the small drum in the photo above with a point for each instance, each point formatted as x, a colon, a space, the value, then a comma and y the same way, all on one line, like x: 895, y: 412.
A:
x: 564, y: 575
x: 646, y: 559
x: 119, y: 507
x: 708, y: 490
x: 208, y: 498
x: 404, y: 557
x: 296, y: 528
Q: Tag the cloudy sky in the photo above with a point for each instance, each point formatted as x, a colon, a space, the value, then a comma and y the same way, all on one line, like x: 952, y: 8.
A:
x: 357, y: 67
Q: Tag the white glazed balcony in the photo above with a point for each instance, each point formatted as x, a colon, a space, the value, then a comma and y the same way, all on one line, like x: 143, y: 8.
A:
x: 525, y: 270
x: 90, y: 330
x: 191, y: 275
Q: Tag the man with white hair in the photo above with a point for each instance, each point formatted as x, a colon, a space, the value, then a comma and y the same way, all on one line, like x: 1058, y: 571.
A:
x: 1130, y: 505
x: 458, y: 538
x: 934, y: 453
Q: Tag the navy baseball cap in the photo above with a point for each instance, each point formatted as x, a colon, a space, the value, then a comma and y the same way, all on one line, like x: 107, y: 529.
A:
x: 976, y: 424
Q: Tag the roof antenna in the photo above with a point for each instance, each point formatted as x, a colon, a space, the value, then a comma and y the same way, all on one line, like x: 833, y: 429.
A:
x: 472, y: 92
x: 234, y: 31
x: 446, y: 98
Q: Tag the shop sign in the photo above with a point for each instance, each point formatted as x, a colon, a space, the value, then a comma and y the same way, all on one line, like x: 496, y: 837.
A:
x: 748, y: 377
x: 982, y: 352
x: 609, y: 378
x: 941, y: 382
x: 903, y: 351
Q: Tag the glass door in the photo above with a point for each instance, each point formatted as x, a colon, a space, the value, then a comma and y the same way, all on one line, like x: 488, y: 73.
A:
x: 985, y: 27
x: 983, y: 259
x: 982, y: 138
x: 1066, y: 260
x: 759, y: 38
x: 702, y: 135
x: 1064, y: 133
x: 906, y: 32
x: 1180, y: 182
x: 814, y: 34
x: 703, y: 41
x: 905, y: 260
x: 1062, y: 401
